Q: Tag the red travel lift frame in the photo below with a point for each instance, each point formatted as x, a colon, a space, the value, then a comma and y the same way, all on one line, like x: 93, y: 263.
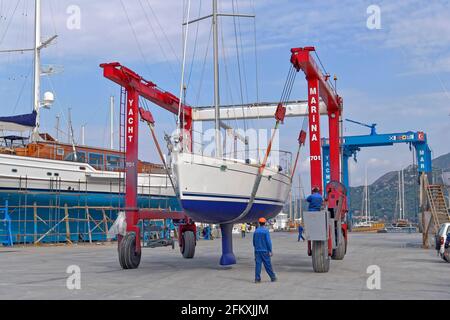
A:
x: 335, y: 246
x: 129, y: 247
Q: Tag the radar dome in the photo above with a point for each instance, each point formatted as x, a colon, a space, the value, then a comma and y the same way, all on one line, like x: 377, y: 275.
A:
x: 49, y: 98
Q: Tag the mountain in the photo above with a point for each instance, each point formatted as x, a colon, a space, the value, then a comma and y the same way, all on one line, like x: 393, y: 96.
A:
x: 383, y: 193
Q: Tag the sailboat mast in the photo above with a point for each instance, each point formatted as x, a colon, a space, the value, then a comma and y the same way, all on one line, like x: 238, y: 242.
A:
x: 403, y: 195
x: 366, y: 209
x: 37, y: 67
x: 216, y: 79
x: 399, y: 195
x: 368, y: 204
x: 111, y: 123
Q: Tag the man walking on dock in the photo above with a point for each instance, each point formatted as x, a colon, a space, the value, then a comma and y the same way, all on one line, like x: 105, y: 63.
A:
x: 263, y: 251
x: 300, y: 233
x: 243, y: 230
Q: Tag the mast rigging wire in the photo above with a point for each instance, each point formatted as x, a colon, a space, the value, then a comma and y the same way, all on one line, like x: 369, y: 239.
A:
x: 244, y: 70
x: 135, y: 36
x: 238, y: 62
x: 9, y: 23
x: 256, y: 54
x: 163, y: 32
x: 227, y: 76
x: 197, y: 100
x: 52, y: 14
x: 160, y: 152
x: 23, y: 87
x: 184, y: 63
x: 195, y: 47
x: 172, y: 72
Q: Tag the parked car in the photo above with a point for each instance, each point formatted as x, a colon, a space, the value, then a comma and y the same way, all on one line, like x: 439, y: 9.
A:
x: 446, y: 256
x: 443, y: 241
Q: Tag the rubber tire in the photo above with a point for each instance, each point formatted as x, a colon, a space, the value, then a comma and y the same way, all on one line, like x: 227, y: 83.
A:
x: 188, y: 247
x: 340, y: 252
x: 127, y: 252
x: 320, y: 257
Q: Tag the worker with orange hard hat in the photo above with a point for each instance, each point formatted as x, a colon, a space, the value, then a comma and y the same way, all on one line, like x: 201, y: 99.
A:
x: 263, y: 251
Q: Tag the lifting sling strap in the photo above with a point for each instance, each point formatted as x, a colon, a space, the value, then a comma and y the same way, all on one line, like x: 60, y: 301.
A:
x: 279, y: 116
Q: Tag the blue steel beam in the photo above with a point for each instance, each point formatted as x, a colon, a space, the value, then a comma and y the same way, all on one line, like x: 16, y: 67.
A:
x: 353, y: 144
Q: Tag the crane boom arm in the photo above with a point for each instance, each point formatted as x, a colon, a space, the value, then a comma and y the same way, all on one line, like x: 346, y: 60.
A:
x: 360, y: 123
x: 254, y: 111
x: 127, y: 78
x: 301, y: 60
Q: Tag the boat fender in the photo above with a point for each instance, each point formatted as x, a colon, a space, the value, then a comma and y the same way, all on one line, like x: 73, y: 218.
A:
x: 119, y: 226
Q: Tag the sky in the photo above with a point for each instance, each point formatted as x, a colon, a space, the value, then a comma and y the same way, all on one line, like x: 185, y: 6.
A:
x: 397, y: 76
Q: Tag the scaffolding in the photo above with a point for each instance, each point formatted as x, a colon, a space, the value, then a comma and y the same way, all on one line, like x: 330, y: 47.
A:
x: 71, y: 215
x: 6, y: 224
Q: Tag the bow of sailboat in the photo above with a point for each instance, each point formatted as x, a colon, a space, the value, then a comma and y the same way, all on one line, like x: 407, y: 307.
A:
x: 218, y: 191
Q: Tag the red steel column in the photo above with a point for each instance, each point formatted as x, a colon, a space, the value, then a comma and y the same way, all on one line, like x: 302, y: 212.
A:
x: 335, y: 154
x: 131, y: 159
x: 314, y: 134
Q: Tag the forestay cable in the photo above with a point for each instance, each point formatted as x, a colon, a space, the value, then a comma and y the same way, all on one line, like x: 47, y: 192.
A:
x: 183, y: 63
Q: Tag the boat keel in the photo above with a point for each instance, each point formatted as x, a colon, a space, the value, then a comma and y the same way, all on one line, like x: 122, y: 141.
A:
x: 228, y: 257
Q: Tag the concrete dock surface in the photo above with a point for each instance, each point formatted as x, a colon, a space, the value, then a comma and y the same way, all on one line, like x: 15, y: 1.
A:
x: 406, y: 271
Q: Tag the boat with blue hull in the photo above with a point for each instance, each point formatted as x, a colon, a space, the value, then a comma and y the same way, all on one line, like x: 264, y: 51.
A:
x: 31, y: 222
x: 219, y: 191
x: 56, y: 200
x: 222, y: 211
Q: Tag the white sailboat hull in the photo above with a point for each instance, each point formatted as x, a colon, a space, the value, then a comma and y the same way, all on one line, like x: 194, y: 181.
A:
x: 218, y: 191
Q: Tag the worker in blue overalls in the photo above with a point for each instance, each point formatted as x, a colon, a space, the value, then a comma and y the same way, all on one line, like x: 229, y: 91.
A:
x: 315, y: 200
x: 263, y: 251
x: 207, y: 231
x: 300, y: 233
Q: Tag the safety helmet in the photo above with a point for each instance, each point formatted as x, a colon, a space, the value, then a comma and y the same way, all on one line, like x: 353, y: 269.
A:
x: 262, y: 220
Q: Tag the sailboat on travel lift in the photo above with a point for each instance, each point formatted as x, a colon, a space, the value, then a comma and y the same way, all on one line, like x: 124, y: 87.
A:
x: 219, y: 190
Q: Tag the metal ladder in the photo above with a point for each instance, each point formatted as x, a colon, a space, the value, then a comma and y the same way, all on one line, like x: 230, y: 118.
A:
x: 122, y: 143
x: 438, y: 206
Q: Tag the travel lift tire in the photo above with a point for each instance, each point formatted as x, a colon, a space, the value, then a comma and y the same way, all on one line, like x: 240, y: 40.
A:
x: 340, y: 252
x: 320, y: 257
x: 128, y: 257
x: 188, y: 245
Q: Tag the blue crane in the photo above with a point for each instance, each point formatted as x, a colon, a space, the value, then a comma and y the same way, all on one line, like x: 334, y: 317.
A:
x: 352, y: 145
x: 373, y: 126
